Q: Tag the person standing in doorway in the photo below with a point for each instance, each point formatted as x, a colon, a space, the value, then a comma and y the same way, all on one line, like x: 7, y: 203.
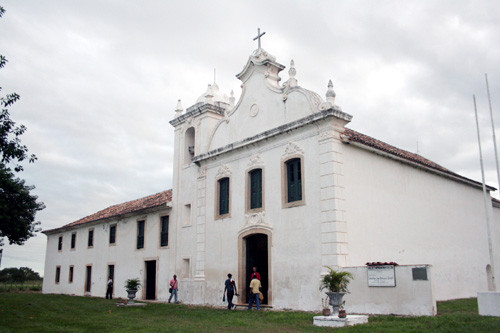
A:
x: 254, y: 293
x: 174, y: 286
x: 109, y: 289
x: 230, y: 288
x: 255, y: 274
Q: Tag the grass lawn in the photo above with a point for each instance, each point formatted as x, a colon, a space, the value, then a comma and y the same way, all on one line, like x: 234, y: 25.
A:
x: 35, y: 312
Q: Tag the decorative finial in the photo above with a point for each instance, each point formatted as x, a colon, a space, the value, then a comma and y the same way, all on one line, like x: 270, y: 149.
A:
x: 178, y: 109
x: 258, y: 36
x: 231, y: 98
x: 330, y: 93
x: 292, y: 72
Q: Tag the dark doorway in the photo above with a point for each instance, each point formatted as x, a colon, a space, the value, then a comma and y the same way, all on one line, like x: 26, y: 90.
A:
x: 111, y: 275
x: 150, y: 279
x: 88, y: 279
x: 257, y: 256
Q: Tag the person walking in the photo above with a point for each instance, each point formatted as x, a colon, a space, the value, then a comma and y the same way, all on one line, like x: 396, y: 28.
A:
x: 255, y: 274
x: 254, y: 293
x: 109, y: 289
x: 174, y: 287
x: 230, y: 290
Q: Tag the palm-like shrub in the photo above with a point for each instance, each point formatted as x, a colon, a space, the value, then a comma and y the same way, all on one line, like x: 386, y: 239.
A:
x: 133, y: 284
x: 336, y: 281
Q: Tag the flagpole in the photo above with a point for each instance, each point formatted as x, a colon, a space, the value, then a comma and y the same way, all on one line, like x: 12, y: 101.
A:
x: 485, y: 196
x: 493, y: 129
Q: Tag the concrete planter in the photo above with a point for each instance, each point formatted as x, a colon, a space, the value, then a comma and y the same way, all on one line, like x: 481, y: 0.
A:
x: 131, y: 295
x: 335, y: 301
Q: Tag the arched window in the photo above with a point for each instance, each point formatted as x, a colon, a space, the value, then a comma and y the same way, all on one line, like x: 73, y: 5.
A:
x: 189, y: 144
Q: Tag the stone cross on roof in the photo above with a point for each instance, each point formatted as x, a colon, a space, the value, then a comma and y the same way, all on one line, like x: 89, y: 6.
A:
x: 259, y: 35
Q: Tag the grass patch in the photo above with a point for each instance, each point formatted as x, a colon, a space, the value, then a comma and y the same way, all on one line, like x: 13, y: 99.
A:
x: 34, y: 312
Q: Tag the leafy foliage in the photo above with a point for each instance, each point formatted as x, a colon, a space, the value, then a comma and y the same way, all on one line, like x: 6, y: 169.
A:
x: 17, y: 206
x: 18, y: 275
x: 335, y: 281
x: 133, y: 284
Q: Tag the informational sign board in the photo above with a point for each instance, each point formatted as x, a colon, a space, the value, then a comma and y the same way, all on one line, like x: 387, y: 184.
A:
x: 381, y: 276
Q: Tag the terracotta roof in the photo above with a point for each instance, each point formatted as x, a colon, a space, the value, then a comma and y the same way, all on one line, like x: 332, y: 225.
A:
x: 150, y: 201
x: 353, y: 136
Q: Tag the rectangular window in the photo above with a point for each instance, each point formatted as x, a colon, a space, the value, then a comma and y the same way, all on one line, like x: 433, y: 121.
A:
x: 256, y: 188
x: 140, y: 234
x: 88, y: 278
x: 223, y: 196
x: 112, y: 234
x: 58, y: 273
x: 71, y: 271
x: 294, y: 180
x: 73, y: 240
x: 164, y: 231
x: 90, y: 242
x: 59, y: 244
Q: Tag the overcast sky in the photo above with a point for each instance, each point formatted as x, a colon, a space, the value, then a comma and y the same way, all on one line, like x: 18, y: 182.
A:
x: 99, y: 82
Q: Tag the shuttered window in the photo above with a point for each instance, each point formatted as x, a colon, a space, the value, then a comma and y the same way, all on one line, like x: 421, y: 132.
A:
x: 164, y: 231
x: 59, y: 243
x: 140, y: 234
x: 112, y: 234
x: 294, y: 180
x: 224, y: 196
x: 90, y: 241
x: 256, y: 188
x: 73, y: 240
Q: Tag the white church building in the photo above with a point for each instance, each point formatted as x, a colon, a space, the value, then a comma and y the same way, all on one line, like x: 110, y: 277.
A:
x: 277, y: 181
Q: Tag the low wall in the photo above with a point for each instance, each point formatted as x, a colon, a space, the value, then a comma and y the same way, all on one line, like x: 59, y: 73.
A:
x: 411, y: 295
x: 488, y: 303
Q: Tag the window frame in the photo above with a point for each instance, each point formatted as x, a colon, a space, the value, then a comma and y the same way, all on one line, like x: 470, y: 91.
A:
x: 140, y: 239
x: 248, y: 186
x: 115, y: 226
x: 218, y: 215
x: 90, y: 244
x: 284, y: 182
x: 71, y: 273
x: 60, y: 243
x: 73, y: 241
x: 161, y: 230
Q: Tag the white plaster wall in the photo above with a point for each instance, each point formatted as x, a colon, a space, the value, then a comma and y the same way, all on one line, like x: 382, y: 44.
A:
x: 295, y: 254
x: 408, y: 297
x: 128, y: 261
x: 273, y: 112
x: 399, y: 213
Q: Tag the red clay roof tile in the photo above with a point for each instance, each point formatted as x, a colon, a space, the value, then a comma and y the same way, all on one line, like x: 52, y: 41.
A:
x: 150, y: 201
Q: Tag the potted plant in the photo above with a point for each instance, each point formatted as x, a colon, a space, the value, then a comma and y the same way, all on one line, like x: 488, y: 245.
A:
x: 132, y: 285
x: 342, y: 313
x: 336, y: 283
x: 326, y: 310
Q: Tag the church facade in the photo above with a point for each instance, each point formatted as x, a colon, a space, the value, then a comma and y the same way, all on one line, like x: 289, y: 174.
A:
x: 278, y: 182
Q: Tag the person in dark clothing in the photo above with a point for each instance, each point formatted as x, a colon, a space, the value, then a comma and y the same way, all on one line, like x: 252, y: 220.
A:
x: 109, y: 289
x: 230, y: 288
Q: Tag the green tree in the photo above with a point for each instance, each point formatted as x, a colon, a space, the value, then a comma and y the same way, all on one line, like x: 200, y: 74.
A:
x: 17, y: 206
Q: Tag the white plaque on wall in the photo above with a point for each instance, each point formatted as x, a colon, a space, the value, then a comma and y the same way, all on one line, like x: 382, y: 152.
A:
x: 381, y: 276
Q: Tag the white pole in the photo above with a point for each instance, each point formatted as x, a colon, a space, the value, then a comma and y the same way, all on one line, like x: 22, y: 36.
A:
x: 485, y: 196
x: 493, y: 129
